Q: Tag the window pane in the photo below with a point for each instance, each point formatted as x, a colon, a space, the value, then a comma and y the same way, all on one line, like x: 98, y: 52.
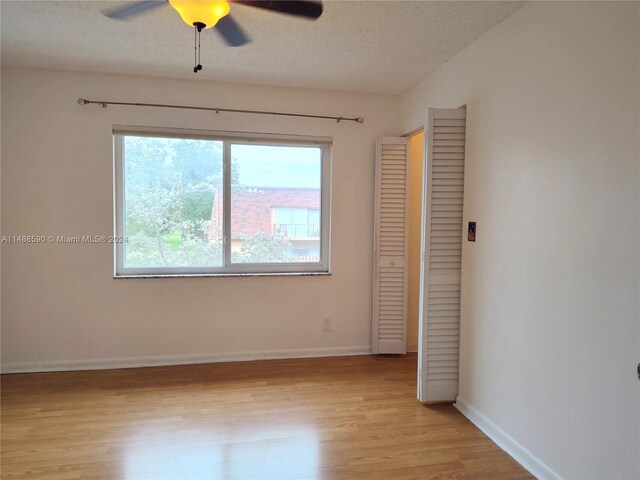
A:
x: 173, y: 202
x: 275, y: 204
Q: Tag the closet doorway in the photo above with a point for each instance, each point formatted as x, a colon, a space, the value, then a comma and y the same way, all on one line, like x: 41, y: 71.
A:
x: 415, y: 160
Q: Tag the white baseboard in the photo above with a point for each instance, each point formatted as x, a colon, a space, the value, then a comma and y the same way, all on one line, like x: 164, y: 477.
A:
x: 131, y: 362
x: 412, y: 348
x: 501, y: 438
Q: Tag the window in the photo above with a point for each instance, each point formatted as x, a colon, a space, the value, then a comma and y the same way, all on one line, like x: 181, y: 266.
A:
x: 298, y: 223
x: 198, y: 203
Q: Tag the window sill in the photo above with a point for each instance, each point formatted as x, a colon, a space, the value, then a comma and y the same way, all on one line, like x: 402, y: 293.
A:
x: 207, y: 275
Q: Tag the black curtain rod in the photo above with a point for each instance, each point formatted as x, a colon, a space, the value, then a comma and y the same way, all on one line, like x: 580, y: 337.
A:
x: 103, y: 104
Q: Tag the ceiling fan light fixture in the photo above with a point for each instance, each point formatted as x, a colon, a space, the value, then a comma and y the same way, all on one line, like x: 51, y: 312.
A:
x: 201, y: 11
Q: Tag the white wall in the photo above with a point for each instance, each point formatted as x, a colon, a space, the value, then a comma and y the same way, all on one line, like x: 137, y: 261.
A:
x: 550, y: 304
x: 60, y: 304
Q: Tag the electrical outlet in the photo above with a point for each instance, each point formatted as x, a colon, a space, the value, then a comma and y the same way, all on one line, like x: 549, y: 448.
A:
x: 326, y: 324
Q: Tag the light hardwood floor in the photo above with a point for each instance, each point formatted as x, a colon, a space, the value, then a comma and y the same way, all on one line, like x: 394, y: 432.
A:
x: 323, y: 418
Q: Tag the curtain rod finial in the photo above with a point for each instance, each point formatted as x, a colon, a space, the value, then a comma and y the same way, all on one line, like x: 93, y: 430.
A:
x: 360, y: 120
x: 82, y: 101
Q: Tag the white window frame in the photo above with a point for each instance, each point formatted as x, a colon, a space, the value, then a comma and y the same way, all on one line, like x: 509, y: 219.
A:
x: 229, y: 268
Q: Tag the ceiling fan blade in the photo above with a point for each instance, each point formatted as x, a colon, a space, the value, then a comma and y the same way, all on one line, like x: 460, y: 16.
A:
x: 232, y: 33
x: 131, y: 10
x: 307, y: 9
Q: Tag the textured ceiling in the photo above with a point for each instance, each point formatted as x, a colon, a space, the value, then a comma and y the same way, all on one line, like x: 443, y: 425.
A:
x: 371, y: 46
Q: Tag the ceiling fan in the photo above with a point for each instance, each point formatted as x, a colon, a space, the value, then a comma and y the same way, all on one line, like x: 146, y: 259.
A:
x: 206, y: 14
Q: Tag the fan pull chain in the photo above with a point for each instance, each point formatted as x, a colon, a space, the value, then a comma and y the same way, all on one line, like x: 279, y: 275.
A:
x: 196, y: 46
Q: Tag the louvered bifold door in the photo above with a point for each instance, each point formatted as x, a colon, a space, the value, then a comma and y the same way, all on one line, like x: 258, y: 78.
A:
x: 442, y: 255
x: 389, y: 330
